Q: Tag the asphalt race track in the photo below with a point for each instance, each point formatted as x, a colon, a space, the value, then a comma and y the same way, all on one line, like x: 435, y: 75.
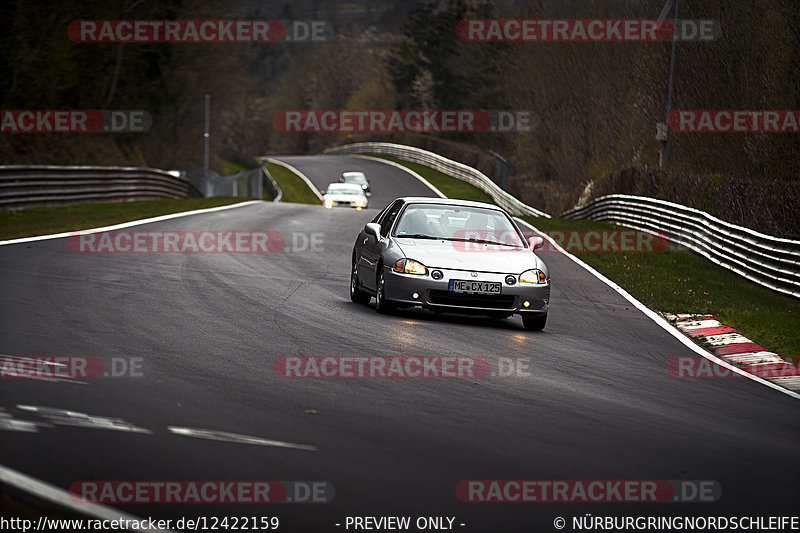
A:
x: 322, y: 170
x: 597, y: 403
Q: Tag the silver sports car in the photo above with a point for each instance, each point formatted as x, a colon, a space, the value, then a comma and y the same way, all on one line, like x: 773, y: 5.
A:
x: 450, y: 256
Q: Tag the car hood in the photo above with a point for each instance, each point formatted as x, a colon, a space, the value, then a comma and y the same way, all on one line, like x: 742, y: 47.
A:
x: 469, y: 256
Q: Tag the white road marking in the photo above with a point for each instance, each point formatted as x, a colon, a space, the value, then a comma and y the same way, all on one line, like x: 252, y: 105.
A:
x: 21, y: 358
x: 683, y: 339
x: 9, y: 423
x: 236, y: 438
x: 61, y: 498
x: 130, y: 223
x: 66, y: 417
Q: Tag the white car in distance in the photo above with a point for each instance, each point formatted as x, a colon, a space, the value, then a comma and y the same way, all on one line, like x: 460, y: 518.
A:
x: 345, y: 195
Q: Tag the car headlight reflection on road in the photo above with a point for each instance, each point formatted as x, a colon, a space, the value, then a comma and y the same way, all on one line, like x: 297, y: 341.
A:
x: 532, y: 277
x: 409, y: 266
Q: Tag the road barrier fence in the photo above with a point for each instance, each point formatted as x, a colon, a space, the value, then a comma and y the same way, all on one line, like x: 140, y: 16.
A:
x: 24, y: 186
x: 770, y: 261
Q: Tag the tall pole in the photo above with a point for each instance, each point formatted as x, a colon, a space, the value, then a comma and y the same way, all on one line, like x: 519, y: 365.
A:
x: 206, y: 133
x: 671, y: 75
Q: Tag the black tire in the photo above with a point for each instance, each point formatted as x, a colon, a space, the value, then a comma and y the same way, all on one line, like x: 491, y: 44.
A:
x: 382, y: 305
x: 534, y: 323
x: 356, y: 294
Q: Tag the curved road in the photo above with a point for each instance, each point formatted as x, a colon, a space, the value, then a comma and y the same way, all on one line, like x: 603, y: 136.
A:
x: 595, y: 403
x: 387, y: 182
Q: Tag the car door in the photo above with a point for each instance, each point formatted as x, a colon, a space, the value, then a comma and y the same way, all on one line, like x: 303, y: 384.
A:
x: 364, y: 239
x: 371, y: 248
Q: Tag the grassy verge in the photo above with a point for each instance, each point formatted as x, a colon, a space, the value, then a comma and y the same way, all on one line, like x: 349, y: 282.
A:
x: 676, y: 281
x: 294, y: 189
x: 450, y: 187
x: 45, y: 220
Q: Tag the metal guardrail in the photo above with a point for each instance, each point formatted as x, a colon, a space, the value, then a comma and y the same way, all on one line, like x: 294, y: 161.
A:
x: 267, y: 182
x: 769, y: 261
x: 271, y: 185
x: 448, y: 166
x: 23, y: 186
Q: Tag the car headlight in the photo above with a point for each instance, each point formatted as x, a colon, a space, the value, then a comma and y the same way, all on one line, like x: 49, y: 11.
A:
x: 361, y: 202
x: 409, y: 266
x: 533, y: 277
x: 328, y: 202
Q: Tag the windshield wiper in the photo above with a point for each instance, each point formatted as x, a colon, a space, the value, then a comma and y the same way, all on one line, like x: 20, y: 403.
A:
x: 418, y: 236
x: 484, y: 241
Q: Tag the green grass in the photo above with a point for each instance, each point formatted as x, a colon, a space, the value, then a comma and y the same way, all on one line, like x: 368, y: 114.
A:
x: 229, y: 167
x: 450, y: 187
x: 294, y: 188
x: 676, y: 281
x: 46, y: 220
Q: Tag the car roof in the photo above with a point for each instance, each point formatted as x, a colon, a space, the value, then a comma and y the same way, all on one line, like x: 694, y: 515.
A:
x: 447, y: 201
x: 354, y: 173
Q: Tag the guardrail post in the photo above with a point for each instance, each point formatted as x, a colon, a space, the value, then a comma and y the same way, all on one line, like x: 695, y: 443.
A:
x: 206, y: 132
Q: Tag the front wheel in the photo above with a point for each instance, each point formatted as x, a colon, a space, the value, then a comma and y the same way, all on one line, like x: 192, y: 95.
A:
x: 356, y: 294
x: 534, y: 323
x: 382, y: 305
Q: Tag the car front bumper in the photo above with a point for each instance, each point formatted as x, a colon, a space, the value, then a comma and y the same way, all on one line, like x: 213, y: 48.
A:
x: 435, y: 294
x: 344, y: 204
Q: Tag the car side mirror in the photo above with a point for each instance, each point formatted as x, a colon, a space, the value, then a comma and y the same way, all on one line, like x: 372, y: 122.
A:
x: 536, y: 243
x: 373, y: 229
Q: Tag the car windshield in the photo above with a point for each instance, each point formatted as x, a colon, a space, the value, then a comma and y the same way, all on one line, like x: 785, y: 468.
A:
x: 343, y: 188
x: 354, y: 177
x: 457, y: 223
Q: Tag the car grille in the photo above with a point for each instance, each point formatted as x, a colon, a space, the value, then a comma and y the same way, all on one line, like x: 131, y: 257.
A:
x: 342, y: 203
x: 489, y: 301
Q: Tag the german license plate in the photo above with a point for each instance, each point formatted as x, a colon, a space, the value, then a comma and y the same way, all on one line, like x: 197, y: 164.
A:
x: 475, y: 287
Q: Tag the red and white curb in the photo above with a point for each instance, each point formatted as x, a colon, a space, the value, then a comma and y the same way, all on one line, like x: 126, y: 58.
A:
x: 663, y: 323
x: 733, y: 347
